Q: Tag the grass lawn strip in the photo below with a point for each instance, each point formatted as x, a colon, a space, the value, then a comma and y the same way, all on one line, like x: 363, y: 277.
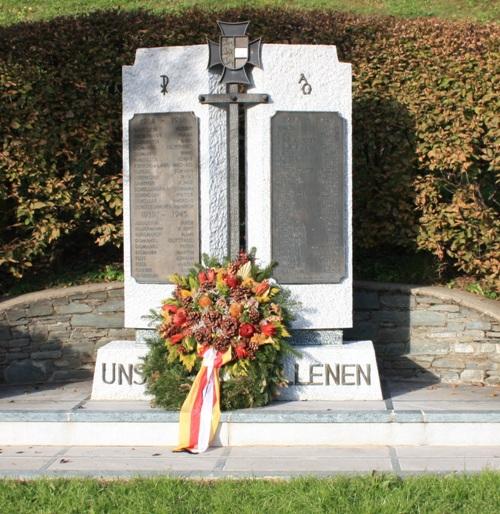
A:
x: 14, y: 11
x: 364, y: 494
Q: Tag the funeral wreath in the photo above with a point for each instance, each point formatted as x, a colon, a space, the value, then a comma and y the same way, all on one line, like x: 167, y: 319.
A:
x: 236, y: 312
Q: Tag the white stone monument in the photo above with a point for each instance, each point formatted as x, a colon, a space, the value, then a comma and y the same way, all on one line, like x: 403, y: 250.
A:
x: 298, y: 199
x: 164, y: 81
x: 304, y: 132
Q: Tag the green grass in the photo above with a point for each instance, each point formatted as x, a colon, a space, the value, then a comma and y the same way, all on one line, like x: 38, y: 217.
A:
x: 471, y: 286
x: 14, y: 11
x: 385, y: 494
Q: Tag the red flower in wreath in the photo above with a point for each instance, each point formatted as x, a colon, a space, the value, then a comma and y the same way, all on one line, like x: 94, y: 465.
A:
x: 241, y: 352
x: 246, y: 330
x: 268, y: 329
x: 177, y: 338
x: 231, y: 281
x: 180, y: 317
x: 261, y: 288
x: 170, y: 308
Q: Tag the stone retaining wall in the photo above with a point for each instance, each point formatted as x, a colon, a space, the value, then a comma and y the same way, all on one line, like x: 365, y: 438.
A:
x: 429, y: 333
x: 424, y: 333
x: 53, y: 335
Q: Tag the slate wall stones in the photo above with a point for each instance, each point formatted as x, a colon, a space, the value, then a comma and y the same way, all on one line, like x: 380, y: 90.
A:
x: 426, y: 333
x: 52, y: 335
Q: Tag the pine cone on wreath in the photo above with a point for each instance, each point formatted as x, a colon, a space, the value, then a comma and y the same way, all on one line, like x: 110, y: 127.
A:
x: 243, y: 258
x: 252, y: 349
x: 193, y: 316
x: 221, y: 343
x: 254, y: 315
x: 202, y: 335
x: 240, y: 294
x: 229, y: 326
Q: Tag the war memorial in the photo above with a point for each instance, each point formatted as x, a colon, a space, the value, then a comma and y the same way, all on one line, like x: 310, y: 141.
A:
x: 233, y: 145
x: 182, y: 164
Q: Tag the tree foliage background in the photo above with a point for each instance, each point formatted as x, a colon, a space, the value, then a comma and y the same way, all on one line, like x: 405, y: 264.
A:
x: 425, y: 118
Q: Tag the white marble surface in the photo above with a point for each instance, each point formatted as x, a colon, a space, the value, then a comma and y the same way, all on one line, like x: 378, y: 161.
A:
x: 323, y: 305
x: 252, y: 434
x: 118, y: 362
x: 186, y: 67
x: 334, y: 372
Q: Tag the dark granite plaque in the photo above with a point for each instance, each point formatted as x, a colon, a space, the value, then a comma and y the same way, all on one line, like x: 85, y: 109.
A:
x: 308, y: 201
x: 164, y: 195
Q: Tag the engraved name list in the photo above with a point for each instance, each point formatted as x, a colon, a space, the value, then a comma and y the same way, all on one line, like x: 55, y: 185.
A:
x: 164, y: 173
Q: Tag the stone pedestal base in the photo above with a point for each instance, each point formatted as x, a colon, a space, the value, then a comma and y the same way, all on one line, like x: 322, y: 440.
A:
x: 334, y: 372
x: 117, y: 374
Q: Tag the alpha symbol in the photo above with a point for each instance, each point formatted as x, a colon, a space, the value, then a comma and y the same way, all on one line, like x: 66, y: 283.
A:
x: 235, y: 53
x: 306, y: 87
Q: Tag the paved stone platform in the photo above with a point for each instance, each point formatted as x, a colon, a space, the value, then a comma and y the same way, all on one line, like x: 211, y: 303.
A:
x: 399, y: 396
x: 260, y: 462
x: 57, y: 429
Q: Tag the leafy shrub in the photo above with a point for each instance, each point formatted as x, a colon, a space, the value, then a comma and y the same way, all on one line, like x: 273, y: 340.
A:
x: 424, y: 122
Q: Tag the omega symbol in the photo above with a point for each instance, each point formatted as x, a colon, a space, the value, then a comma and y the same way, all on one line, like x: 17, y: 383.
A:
x: 306, y: 87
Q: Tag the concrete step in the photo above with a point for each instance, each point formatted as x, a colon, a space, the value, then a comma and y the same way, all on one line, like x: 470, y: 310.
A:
x: 255, y: 427
x: 411, y: 415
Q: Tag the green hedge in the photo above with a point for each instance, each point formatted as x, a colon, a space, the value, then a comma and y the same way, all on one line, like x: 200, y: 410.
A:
x: 423, y: 114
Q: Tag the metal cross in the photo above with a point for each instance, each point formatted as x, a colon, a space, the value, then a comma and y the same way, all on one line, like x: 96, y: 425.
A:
x: 233, y: 57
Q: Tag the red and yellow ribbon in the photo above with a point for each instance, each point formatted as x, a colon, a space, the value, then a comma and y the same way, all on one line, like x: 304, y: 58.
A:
x: 200, y: 412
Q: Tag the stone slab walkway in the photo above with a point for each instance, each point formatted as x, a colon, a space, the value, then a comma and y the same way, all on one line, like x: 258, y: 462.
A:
x: 406, y: 400
x: 259, y: 462
x: 399, y: 396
